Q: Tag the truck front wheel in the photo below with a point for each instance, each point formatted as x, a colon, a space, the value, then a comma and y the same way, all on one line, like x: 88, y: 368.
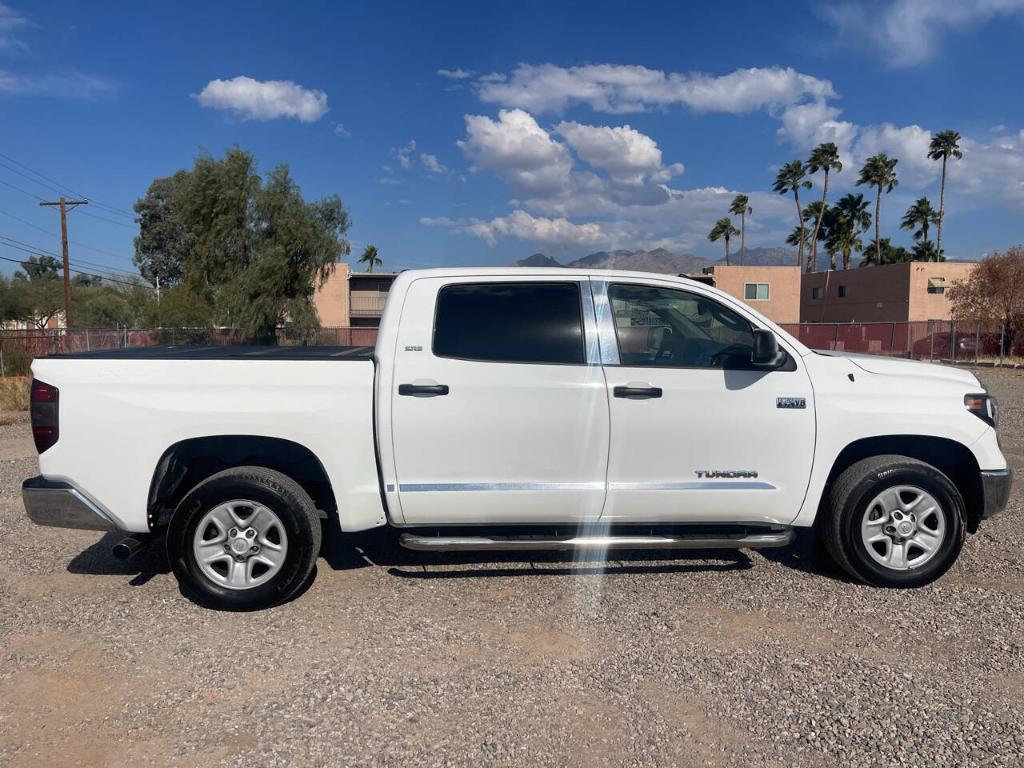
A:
x: 244, y: 539
x: 894, y: 521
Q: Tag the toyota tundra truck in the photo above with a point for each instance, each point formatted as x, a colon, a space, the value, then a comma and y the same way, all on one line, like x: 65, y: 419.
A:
x: 517, y: 409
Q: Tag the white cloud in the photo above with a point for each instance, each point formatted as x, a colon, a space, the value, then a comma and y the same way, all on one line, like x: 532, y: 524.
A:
x: 536, y: 229
x: 432, y: 164
x: 618, y: 88
x: 517, y: 149
x: 626, y: 155
x: 992, y: 170
x: 70, y: 85
x: 264, y: 100
x: 909, y: 32
x: 12, y: 24
x: 455, y: 74
x: 341, y: 131
x: 404, y: 154
x: 909, y: 144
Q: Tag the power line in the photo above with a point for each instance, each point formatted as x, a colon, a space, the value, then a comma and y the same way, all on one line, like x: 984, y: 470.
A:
x: 48, y: 233
x: 87, y: 274
x: 109, y: 221
x: 23, y: 191
x: 97, y: 203
x: 37, y: 251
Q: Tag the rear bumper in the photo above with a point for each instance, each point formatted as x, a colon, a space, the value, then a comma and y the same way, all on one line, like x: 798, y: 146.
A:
x: 995, y: 486
x: 58, y: 503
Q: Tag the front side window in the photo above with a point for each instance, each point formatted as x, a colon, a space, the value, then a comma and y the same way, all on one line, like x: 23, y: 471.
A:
x: 755, y: 292
x: 666, y: 327
x: 510, y: 322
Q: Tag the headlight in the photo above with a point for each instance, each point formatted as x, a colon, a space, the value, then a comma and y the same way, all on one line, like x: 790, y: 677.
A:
x: 984, y: 406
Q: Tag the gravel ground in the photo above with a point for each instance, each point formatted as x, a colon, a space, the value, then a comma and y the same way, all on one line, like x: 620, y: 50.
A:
x: 394, y: 659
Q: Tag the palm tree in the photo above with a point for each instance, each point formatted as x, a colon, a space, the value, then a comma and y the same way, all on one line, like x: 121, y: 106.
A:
x: 741, y: 207
x: 918, y: 217
x: 791, y: 177
x: 824, y: 157
x: 925, y: 250
x: 851, y: 218
x: 370, y: 257
x: 944, y: 145
x: 879, y: 171
x: 723, y: 229
x: 812, y: 212
x: 798, y: 237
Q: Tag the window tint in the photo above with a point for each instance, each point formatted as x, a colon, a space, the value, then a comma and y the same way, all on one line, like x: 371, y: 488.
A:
x: 842, y: 291
x: 510, y: 322
x: 661, y: 326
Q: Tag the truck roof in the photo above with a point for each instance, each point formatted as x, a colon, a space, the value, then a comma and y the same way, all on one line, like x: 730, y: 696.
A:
x: 563, y: 272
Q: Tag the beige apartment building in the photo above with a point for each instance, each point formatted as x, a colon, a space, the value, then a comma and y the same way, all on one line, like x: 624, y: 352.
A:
x: 911, y: 291
x: 772, y: 291
x: 352, y: 299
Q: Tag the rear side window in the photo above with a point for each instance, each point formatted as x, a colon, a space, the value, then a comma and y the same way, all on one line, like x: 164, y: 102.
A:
x: 510, y: 322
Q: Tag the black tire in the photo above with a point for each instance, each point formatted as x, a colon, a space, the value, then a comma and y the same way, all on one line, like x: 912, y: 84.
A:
x: 280, y: 493
x: 855, y: 489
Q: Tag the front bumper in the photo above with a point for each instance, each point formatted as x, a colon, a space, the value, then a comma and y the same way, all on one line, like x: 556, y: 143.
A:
x: 995, y: 487
x: 60, y: 504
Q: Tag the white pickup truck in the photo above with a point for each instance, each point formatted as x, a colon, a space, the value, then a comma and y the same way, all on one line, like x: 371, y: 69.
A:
x: 518, y: 409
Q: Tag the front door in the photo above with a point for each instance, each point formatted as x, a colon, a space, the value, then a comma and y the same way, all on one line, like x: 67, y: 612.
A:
x: 499, y: 414
x: 697, y: 433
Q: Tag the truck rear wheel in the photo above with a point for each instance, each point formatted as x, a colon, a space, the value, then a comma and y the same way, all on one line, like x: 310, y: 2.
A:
x: 244, y: 539
x: 894, y: 522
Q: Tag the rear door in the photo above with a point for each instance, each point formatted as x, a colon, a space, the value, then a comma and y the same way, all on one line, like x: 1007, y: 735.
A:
x: 499, y: 413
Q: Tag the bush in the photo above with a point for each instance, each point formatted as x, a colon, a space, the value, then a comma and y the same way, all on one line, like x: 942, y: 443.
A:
x: 14, y: 393
x: 17, y: 359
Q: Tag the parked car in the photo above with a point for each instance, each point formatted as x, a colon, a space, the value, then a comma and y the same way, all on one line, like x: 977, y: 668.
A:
x: 517, y: 409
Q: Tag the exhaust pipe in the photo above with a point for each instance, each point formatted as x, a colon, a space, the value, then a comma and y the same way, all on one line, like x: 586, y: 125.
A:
x: 130, y: 546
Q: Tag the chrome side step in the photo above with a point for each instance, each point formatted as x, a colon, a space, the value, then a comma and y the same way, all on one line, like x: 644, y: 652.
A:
x: 596, y: 543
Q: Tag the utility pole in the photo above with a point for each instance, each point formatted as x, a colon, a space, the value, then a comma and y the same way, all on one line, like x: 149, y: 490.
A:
x: 65, y: 206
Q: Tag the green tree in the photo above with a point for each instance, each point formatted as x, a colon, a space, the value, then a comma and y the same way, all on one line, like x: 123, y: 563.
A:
x: 919, y: 217
x: 161, y: 247
x: 798, y: 237
x: 740, y: 206
x: 791, y: 178
x: 370, y: 257
x: 879, y: 171
x: 849, y: 218
x: 39, y: 267
x: 925, y: 250
x: 37, y: 300
x: 824, y: 158
x: 884, y: 252
x: 251, y: 249
x: 944, y: 145
x: 102, y: 306
x: 723, y: 229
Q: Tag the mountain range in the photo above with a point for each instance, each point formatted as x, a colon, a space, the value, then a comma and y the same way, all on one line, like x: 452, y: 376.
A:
x: 665, y: 261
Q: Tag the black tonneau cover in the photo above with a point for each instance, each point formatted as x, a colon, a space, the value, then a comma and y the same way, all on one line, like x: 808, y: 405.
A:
x: 250, y: 352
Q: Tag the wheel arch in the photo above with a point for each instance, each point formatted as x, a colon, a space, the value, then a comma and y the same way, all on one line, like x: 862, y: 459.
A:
x: 187, y: 463
x: 952, y: 458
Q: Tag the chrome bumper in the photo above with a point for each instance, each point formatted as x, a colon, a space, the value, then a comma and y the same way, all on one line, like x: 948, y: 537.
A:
x: 60, y: 504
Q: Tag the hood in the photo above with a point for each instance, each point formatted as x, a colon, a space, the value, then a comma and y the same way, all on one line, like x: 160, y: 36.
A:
x: 900, y: 366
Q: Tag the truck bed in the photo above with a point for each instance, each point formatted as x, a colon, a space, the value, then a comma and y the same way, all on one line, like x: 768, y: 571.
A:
x: 238, y: 352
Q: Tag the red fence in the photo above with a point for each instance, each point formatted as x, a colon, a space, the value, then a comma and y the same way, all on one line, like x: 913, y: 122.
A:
x: 926, y: 340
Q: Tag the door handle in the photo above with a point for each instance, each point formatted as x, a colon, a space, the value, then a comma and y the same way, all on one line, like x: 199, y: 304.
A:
x: 423, y: 390
x: 637, y: 391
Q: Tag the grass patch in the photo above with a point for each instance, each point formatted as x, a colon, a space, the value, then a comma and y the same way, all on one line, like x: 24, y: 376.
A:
x: 14, y: 392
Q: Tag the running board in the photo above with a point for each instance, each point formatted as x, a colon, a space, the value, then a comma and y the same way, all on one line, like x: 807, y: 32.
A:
x: 595, y: 543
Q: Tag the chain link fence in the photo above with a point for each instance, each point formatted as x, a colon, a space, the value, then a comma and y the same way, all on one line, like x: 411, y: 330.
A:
x: 932, y: 340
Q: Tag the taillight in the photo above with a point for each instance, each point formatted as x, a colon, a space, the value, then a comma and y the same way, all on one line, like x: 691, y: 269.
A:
x: 45, y: 422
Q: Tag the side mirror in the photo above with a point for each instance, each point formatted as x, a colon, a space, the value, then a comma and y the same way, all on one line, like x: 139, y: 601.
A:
x: 766, y: 352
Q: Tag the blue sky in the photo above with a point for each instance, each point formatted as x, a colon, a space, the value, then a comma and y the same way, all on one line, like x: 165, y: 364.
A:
x: 478, y: 133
